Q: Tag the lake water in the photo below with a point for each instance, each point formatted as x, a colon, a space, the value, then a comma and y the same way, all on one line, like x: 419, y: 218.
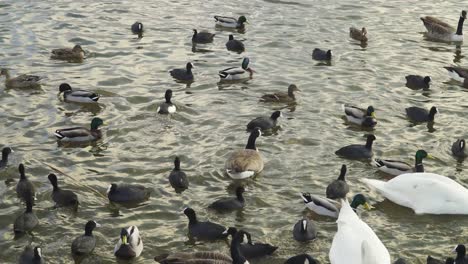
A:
x: 139, y: 145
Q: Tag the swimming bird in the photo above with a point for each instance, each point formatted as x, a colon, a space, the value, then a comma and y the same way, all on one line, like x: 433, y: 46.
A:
x: 137, y: 28
x: 86, y: 243
x: 251, y: 250
x: 202, y: 37
x: 425, y: 193
x: 418, y: 82
x: 81, y: 134
x: 230, y: 203
x: 419, y: 115
x: 235, y: 45
x: 356, y: 151
x: 461, y: 254
x: 127, y: 193
x: 357, y: 34
x: 178, y: 178
x: 282, y: 97
x: 319, y: 54
x: 77, y: 96
x: 230, y: 22
x: 26, y: 221
x: 338, y: 188
x: 6, y: 151
x: 24, y: 186
x: 21, y: 81
x: 394, y: 167
x: 185, y: 75
x: 200, y: 257
x: 245, y: 163
x: 265, y: 122
x: 204, y: 230
x: 62, y: 198
x: 236, y: 73
x: 359, y: 116
x: 328, y: 207
x: 301, y: 259
x: 400, y: 261
x: 355, y: 242
x: 304, y: 230
x: 130, y: 244
x: 458, y: 148
x: 431, y: 260
x: 167, y: 107
x: 439, y: 30
x: 74, y: 54
x: 31, y: 256
x: 457, y: 73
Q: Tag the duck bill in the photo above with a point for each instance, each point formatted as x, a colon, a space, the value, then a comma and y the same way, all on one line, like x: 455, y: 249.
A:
x: 373, y: 115
x: 368, y: 207
x: 124, y: 240
x: 430, y: 156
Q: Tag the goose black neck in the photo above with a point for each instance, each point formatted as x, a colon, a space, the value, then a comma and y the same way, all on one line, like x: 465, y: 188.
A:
x: 342, y: 173
x: 236, y: 254
x: 251, y: 142
x: 369, y: 142
x: 460, y: 26
x: 22, y: 175
x: 239, y: 196
x: 29, y: 205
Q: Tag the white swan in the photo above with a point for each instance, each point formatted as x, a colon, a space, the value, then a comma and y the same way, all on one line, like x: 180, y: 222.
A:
x: 355, y: 242
x: 425, y: 193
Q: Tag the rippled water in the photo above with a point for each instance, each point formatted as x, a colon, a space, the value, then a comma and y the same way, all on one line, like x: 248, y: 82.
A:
x: 139, y: 145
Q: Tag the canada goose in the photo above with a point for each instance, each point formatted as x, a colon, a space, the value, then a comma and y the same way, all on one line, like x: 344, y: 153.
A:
x: 356, y: 151
x: 74, y: 54
x: 202, y: 37
x: 419, y: 115
x: 245, y: 163
x: 457, y: 73
x: 357, y: 34
x: 439, y: 30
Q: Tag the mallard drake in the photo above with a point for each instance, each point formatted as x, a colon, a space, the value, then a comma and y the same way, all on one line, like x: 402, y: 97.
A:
x: 202, y: 37
x: 167, y: 107
x: 265, y: 122
x: 61, y: 197
x: 127, y: 193
x: 86, y: 243
x: 328, y: 207
x: 394, y: 167
x: 185, y: 75
x: 319, y: 54
x: 355, y: 242
x: 230, y: 203
x: 24, y: 188
x: 425, y: 193
x: 439, y: 30
x: 457, y: 73
x: 6, y: 151
x: 245, y: 163
x: 230, y: 22
x: 359, y: 116
x: 418, y: 82
x: 338, y: 188
x: 236, y: 73
x: 357, y: 34
x: 251, y: 250
x: 356, y: 151
x: 27, y: 220
x: 235, y: 45
x: 178, y: 178
x: 21, y: 81
x: 137, y: 28
x: 130, y: 244
x: 207, y: 230
x: 80, y: 134
x: 77, y: 96
x: 304, y: 230
x: 282, y: 97
x: 419, y: 115
x: 74, y: 54
x: 31, y: 256
x: 458, y: 148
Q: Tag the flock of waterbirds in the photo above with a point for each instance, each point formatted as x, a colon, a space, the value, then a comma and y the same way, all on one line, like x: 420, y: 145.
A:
x: 354, y: 241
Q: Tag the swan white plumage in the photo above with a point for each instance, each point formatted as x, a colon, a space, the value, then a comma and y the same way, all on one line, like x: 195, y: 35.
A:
x: 425, y: 193
x: 355, y: 242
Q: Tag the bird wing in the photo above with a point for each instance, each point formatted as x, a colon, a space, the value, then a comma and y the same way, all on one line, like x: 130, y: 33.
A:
x: 245, y: 160
x: 73, y: 132
x: 224, y: 19
x: 435, y: 25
